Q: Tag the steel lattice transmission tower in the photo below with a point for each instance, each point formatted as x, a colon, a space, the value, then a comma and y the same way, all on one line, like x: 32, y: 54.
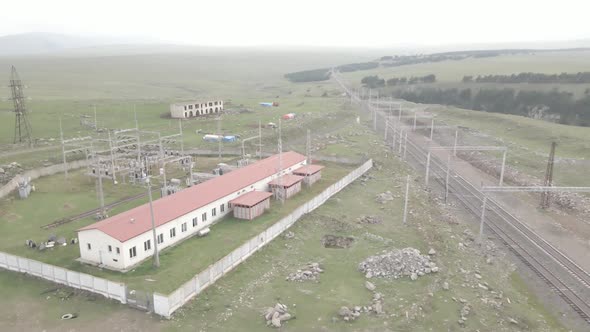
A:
x: 22, y: 127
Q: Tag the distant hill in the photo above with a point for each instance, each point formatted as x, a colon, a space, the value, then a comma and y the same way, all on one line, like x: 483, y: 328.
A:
x: 42, y: 42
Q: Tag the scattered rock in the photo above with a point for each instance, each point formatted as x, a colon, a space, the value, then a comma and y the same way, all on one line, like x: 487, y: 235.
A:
x: 369, y: 220
x: 349, y: 315
x: 276, y: 315
x: 407, y: 262
x: 512, y: 321
x: 432, y: 252
x: 334, y: 241
x: 384, y: 197
x: 309, y: 273
x: 445, y: 286
x: 289, y: 235
x: 370, y: 286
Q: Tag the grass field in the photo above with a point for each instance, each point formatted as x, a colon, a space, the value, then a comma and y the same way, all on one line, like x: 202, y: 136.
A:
x: 237, y: 300
x: 68, y: 87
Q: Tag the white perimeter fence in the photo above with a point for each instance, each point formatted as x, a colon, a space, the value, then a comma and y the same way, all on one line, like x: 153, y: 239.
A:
x: 39, y: 172
x: 166, y: 305
x: 107, y: 288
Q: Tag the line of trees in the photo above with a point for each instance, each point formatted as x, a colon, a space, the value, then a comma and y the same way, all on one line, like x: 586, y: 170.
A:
x: 431, y: 78
x: 309, y: 75
x: 357, y: 66
x: 553, y: 105
x: 375, y: 81
x: 563, y: 78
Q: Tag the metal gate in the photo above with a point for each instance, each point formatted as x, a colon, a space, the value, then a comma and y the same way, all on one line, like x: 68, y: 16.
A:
x: 140, y: 300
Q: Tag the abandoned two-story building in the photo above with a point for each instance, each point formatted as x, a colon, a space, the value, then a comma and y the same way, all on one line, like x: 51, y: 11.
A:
x: 195, y: 108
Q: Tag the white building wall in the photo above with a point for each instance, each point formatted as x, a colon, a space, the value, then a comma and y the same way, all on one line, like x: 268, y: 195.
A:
x: 100, y: 240
x: 99, y: 249
x: 195, y: 108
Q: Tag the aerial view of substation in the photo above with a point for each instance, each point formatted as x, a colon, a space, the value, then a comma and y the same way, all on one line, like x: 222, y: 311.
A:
x: 320, y: 205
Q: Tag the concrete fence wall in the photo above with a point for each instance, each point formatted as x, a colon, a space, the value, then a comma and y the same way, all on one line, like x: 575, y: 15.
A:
x: 39, y: 172
x: 165, y: 305
x: 107, y: 288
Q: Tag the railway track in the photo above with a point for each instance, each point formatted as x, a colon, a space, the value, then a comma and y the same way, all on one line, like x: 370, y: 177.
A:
x: 561, y: 274
x: 91, y: 212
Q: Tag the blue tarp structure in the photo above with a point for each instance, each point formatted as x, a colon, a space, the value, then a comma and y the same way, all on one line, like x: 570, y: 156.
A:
x: 266, y: 104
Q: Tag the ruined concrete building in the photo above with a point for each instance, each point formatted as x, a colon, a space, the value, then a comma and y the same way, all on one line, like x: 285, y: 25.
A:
x: 195, y: 108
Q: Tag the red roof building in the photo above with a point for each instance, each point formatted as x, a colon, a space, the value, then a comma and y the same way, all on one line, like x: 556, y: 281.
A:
x: 251, y: 204
x: 176, y: 216
x: 311, y: 173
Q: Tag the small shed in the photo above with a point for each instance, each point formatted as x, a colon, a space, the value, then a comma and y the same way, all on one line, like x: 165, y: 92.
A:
x: 311, y: 173
x: 286, y: 186
x: 251, y: 204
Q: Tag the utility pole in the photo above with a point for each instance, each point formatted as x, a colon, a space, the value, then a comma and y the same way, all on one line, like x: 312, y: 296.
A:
x: 406, y: 200
x: 455, y: 145
x: 447, y: 178
x: 259, y: 139
x: 181, y: 137
x: 432, y: 129
x: 427, y: 168
x: 155, y: 237
x: 482, y: 219
x: 219, y: 137
x: 279, y: 180
x: 546, y: 196
x: 503, y: 167
x: 308, y: 148
x: 405, y: 144
x: 63, y: 149
x: 95, y: 122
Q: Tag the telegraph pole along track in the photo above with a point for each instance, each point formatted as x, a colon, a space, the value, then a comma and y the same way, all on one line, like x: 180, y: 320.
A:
x: 567, y: 279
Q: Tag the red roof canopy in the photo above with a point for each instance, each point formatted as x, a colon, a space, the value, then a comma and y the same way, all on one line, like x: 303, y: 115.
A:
x: 308, y: 169
x: 251, y: 198
x: 171, y: 207
x: 286, y: 180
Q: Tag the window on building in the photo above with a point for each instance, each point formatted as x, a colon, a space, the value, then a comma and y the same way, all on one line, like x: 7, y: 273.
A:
x: 229, y: 205
x: 196, y: 106
x: 183, y: 227
x: 110, y: 248
x: 173, y: 232
x: 222, y: 208
x: 213, y: 212
x: 132, y: 252
x: 195, y: 221
x: 204, y: 216
x: 118, y: 250
x: 147, y: 245
x: 160, y: 238
x: 89, y: 246
x: 190, y: 107
x: 210, y: 104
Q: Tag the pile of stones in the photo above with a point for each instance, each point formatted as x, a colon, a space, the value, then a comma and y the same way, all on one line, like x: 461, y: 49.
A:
x: 384, y: 197
x: 349, y: 315
x: 407, y: 262
x: 369, y: 220
x: 310, y: 273
x: 275, y: 316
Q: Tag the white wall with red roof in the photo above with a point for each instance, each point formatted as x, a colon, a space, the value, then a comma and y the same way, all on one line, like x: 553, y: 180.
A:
x: 99, y: 253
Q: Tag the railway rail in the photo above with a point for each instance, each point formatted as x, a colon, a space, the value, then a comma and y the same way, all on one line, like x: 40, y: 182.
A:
x: 561, y: 274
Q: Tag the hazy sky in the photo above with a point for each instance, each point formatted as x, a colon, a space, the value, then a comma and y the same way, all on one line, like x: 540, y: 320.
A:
x: 305, y: 22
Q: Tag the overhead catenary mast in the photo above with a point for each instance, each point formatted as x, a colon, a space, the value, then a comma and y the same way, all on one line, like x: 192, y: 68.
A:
x: 279, y: 180
x: 22, y: 127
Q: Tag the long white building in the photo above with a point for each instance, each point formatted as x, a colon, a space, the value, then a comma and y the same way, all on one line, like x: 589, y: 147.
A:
x: 125, y: 240
x: 195, y: 108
